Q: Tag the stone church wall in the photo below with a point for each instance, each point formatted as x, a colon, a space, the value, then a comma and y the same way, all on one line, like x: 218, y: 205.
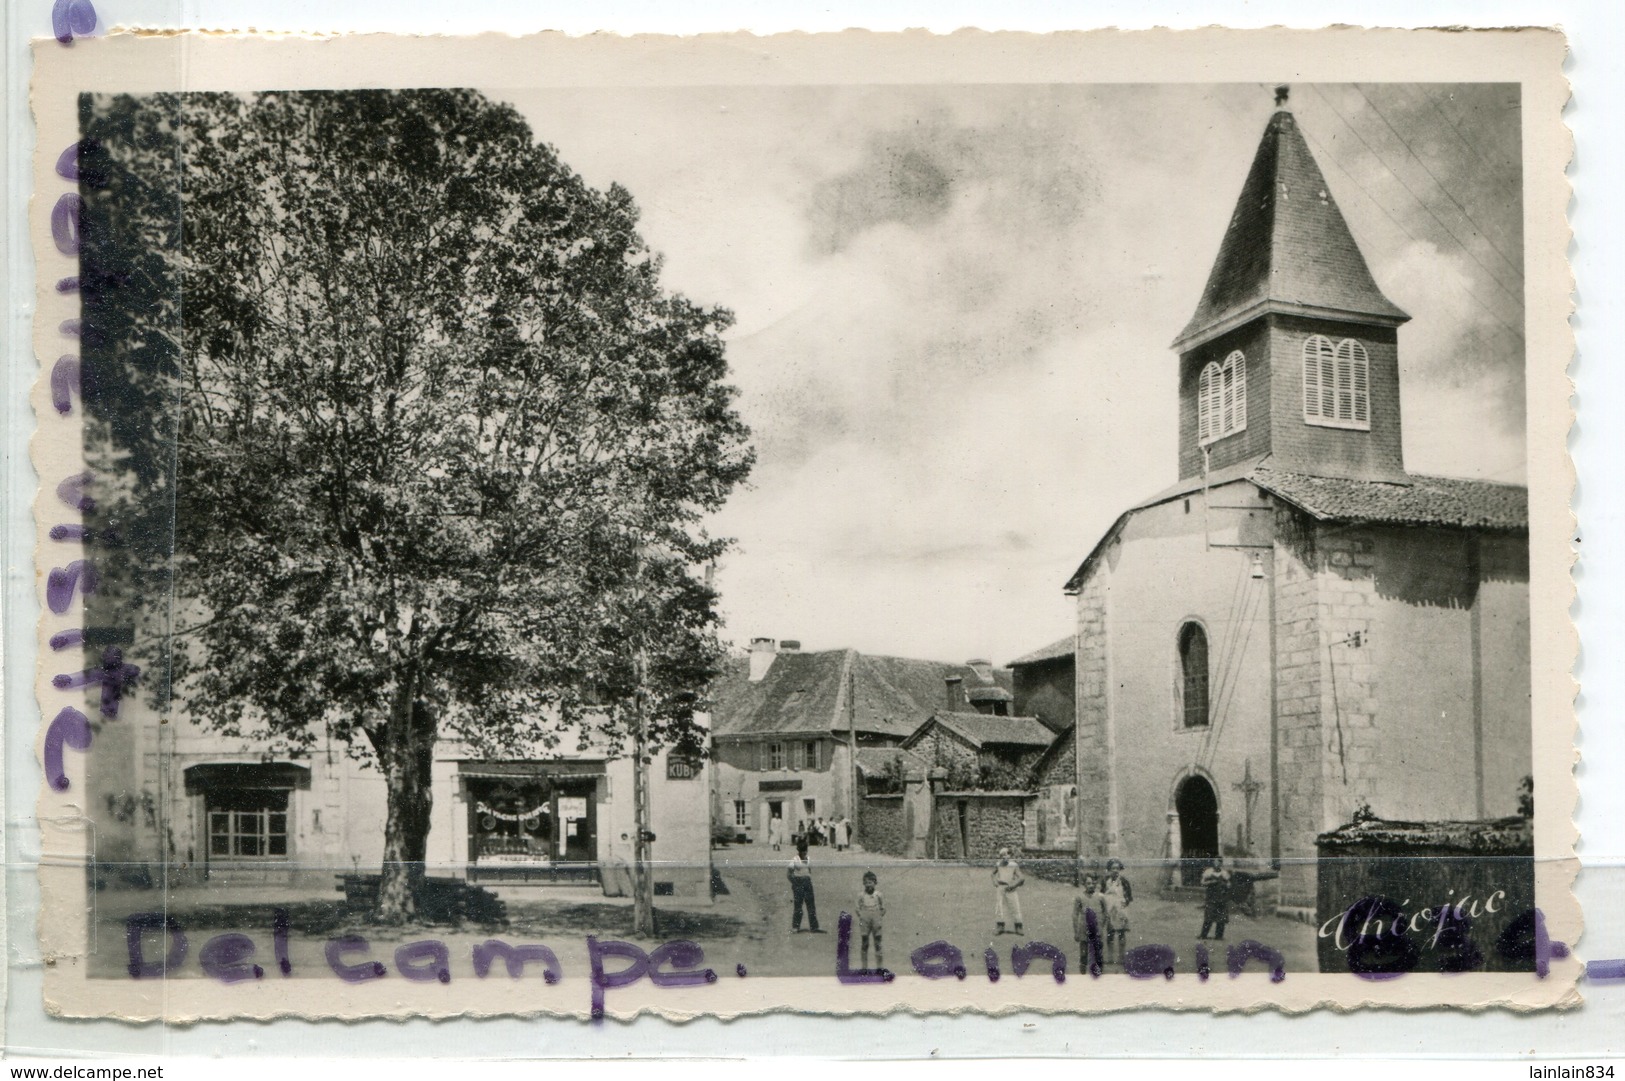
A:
x: 1092, y: 764
x: 1401, y: 680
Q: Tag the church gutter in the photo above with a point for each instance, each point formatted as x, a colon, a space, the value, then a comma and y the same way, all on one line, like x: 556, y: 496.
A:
x: 1186, y: 342
x: 1275, y: 716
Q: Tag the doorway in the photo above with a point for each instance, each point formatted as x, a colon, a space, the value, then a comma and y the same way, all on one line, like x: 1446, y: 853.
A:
x: 1198, y: 808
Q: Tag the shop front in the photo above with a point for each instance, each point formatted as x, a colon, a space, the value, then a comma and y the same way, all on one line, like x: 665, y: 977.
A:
x: 532, y: 821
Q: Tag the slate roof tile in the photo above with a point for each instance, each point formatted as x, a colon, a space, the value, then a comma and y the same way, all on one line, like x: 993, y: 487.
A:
x: 1287, y: 243
x: 802, y: 694
x: 873, y: 761
x: 1061, y: 647
x: 1445, y: 502
x: 981, y: 730
x: 1426, y: 501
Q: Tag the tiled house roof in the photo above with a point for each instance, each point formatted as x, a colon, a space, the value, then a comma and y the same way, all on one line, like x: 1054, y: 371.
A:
x: 1441, y: 501
x: 1287, y: 247
x: 804, y: 694
x: 873, y: 761
x: 1444, y: 502
x: 980, y: 730
x: 1056, y: 650
x: 798, y: 695
x: 995, y: 693
x: 1065, y: 740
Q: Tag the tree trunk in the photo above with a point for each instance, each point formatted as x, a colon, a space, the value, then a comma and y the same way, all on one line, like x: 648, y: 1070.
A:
x: 407, y: 757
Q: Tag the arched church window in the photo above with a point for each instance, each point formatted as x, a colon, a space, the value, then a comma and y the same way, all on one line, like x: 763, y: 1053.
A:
x: 1221, y: 398
x: 1193, y: 682
x: 1336, y: 383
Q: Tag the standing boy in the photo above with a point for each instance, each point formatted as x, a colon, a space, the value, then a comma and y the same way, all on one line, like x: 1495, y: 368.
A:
x: 801, y: 886
x: 1007, y: 879
x: 1088, y: 900
x: 871, y: 910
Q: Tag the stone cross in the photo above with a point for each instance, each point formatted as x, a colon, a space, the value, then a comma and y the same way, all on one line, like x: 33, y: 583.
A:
x: 1249, y: 790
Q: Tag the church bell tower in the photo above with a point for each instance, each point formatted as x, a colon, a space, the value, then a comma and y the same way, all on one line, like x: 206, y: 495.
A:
x: 1293, y: 350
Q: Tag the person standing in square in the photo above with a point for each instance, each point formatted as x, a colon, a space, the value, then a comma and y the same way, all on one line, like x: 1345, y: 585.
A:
x: 1215, y: 899
x: 1116, y: 895
x: 1007, y: 880
x: 871, y: 911
x: 1088, y: 900
x: 801, y: 887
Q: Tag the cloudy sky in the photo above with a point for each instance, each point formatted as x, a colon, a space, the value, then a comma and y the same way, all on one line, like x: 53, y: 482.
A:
x: 954, y: 306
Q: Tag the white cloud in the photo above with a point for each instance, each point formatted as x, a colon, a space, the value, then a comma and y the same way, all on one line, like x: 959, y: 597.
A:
x: 954, y: 310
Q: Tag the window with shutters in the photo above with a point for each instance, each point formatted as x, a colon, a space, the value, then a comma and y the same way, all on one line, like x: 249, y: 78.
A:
x: 1221, y: 399
x: 775, y: 755
x: 1336, y: 383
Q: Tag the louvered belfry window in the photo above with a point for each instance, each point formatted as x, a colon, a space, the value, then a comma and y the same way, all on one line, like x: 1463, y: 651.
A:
x: 1336, y: 383
x: 1221, y: 398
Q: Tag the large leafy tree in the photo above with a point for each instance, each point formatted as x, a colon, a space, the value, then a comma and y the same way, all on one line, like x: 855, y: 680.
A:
x: 435, y: 444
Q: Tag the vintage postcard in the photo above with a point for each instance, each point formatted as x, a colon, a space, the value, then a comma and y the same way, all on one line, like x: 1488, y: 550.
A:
x: 833, y: 524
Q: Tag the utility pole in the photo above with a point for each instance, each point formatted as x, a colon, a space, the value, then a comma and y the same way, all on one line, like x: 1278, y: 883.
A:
x: 852, y: 742
x: 643, y: 888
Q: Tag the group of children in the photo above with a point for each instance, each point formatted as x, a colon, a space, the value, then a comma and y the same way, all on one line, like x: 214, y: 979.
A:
x: 1108, y: 896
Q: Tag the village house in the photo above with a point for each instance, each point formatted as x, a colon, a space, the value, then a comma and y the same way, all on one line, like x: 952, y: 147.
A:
x: 1298, y: 631
x: 1044, y: 683
x: 786, y: 725
x: 980, y: 750
x: 180, y: 803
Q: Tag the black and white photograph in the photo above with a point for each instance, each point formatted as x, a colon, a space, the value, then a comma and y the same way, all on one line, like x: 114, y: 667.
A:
x: 896, y: 535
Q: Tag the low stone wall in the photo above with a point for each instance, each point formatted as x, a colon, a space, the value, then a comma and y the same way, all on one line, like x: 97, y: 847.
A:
x: 882, y: 825
x: 1463, y: 893
x: 993, y: 820
x: 1057, y: 866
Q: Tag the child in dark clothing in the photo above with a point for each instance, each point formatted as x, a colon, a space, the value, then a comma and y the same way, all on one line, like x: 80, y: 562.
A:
x: 1216, y: 899
x: 1088, y: 900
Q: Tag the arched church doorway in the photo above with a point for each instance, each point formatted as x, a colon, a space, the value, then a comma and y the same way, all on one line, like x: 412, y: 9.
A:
x: 1198, y: 810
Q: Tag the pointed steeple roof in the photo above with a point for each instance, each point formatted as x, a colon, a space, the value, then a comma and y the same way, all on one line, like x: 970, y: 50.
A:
x: 1287, y: 249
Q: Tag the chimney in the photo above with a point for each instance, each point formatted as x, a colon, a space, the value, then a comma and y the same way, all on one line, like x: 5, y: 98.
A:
x: 954, y: 698
x: 789, y: 645
x: 762, y: 652
x: 983, y: 669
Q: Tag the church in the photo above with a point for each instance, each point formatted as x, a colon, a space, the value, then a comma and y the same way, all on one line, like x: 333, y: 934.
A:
x: 1298, y: 632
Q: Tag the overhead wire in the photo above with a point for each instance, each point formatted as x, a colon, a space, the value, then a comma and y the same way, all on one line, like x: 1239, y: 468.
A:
x: 1451, y: 124
x: 1328, y: 156
x: 1227, y: 644
x: 1221, y: 711
x: 1480, y: 230
x: 1517, y: 296
x: 1466, y: 290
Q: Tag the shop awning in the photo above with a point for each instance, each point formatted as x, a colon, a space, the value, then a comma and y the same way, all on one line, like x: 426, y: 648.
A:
x: 509, y: 770
x: 214, y: 776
